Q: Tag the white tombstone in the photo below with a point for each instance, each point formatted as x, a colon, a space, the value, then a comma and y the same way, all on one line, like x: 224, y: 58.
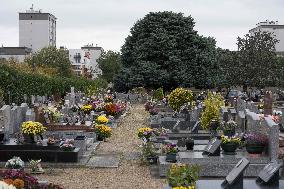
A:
x: 5, y: 116
x: 30, y: 115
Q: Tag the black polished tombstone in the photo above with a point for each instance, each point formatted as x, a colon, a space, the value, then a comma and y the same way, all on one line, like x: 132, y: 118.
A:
x: 212, y: 148
x: 234, y: 180
x: 269, y: 175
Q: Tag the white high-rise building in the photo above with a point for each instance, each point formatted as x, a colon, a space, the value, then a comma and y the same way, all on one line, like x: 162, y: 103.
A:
x: 276, y: 29
x: 37, y: 29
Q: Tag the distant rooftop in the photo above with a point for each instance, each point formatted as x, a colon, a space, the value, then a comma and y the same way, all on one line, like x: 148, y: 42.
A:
x: 15, y: 50
x: 32, y: 14
x: 91, y: 46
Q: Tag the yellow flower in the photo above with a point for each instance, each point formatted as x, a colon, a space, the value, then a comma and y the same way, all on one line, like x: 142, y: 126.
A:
x: 102, y: 119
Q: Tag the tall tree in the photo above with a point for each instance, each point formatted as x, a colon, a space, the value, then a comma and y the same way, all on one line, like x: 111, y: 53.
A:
x: 257, y: 60
x: 110, y: 64
x: 163, y: 49
x: 54, y: 58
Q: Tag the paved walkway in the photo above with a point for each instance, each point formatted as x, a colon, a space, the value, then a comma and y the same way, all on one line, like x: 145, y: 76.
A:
x: 121, y: 152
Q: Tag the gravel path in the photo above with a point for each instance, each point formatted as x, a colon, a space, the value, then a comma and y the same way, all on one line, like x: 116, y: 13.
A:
x: 129, y: 175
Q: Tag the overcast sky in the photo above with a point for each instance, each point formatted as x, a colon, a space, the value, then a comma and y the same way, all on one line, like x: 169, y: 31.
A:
x: 108, y: 22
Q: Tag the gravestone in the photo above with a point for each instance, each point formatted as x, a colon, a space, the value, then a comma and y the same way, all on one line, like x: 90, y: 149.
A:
x: 15, y: 123
x: 268, y: 101
x: 5, y: 116
x: 269, y: 175
x: 225, y: 114
x: 213, y: 147
x: 234, y: 180
x: 273, y: 137
x: 233, y: 113
x: 72, y: 96
x: 24, y: 108
x: 33, y: 99
x: 30, y: 115
x: 241, y: 120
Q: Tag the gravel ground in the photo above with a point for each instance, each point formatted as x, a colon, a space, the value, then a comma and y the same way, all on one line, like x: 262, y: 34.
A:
x: 129, y: 175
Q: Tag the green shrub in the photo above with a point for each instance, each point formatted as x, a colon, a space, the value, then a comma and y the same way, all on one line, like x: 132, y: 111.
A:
x: 158, y: 94
x: 179, y: 97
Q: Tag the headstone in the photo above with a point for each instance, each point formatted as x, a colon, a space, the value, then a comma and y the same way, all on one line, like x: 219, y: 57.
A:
x: 269, y: 175
x: 224, y: 113
x: 5, y: 117
x: 72, y: 99
x: 234, y: 180
x: 24, y: 108
x: 30, y: 115
x: 268, y: 101
x: 233, y: 113
x: 213, y: 147
x: 32, y: 99
x: 15, y: 121
x: 241, y: 120
x: 273, y: 138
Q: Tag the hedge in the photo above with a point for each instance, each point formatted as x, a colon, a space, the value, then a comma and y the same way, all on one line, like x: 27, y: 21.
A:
x: 16, y: 84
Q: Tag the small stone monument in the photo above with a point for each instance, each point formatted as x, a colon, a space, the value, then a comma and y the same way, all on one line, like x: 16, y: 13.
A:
x: 268, y: 101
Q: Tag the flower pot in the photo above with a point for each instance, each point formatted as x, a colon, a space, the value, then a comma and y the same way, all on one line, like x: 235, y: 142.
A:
x: 100, y: 138
x: 2, y: 137
x: 152, y: 159
x: 229, y: 148
x: 29, y: 139
x: 189, y: 144
x: 172, y: 158
x: 255, y: 148
x: 229, y: 133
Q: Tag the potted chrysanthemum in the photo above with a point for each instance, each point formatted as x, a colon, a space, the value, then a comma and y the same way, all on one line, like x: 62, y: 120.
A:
x: 181, y: 176
x: 30, y: 129
x: 103, y: 132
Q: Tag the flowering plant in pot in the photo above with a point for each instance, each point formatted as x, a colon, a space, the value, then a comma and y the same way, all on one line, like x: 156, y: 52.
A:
x: 31, y: 129
x: 230, y: 144
x: 229, y: 128
x: 17, y: 177
x: 101, y: 120
x: 171, y: 152
x: 149, y: 153
x: 87, y: 108
x: 67, y: 145
x: 15, y: 163
x: 145, y: 132
x: 153, y: 111
x: 178, y: 97
x: 160, y: 133
x: 108, y: 99
x: 6, y: 185
x: 255, y: 142
x: 181, y: 176
x: 103, y: 132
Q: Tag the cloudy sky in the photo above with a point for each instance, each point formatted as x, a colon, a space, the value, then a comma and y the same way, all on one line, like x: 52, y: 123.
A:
x: 108, y: 22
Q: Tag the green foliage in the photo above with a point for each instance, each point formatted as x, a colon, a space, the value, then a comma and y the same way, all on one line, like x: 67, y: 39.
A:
x: 110, y: 64
x: 20, y: 83
x: 179, y: 97
x: 54, y: 58
x: 257, y: 61
x: 211, y: 112
x: 164, y: 50
x: 183, y: 175
x: 158, y: 94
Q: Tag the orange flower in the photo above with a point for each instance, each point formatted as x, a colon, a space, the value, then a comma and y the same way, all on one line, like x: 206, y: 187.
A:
x: 18, y: 183
x: 8, y: 181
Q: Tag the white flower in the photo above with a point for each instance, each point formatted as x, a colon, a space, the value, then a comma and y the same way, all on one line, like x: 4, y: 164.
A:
x: 3, y: 185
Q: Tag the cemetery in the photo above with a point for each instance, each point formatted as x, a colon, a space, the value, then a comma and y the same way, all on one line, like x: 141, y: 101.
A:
x: 169, y: 110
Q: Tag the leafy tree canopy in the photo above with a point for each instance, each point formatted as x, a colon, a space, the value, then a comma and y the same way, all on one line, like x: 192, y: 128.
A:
x: 54, y: 58
x: 163, y: 49
x: 110, y: 64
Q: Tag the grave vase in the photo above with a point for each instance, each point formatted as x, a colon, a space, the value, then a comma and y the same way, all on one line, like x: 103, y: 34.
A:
x: 29, y: 139
x: 100, y: 138
x: 255, y: 148
x: 189, y: 143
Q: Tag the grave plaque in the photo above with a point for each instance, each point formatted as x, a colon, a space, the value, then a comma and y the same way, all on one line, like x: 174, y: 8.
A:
x: 269, y: 175
x: 234, y: 180
x: 196, y: 127
x: 176, y: 126
x: 213, y: 147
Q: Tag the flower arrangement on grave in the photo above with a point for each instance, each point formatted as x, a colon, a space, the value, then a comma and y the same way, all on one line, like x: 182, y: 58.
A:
x: 17, y: 183
x: 15, y: 163
x: 36, y: 166
x: 32, y: 128
x: 145, y: 132
x: 67, y: 145
x: 110, y: 109
x: 87, y: 108
x: 102, y: 120
x: 103, y: 131
x: 255, y: 142
x: 149, y: 153
x: 5, y: 185
x: 53, y: 113
x: 210, y: 115
x: 179, y: 97
x: 12, y: 175
x: 182, y: 176
x: 170, y: 148
x: 229, y: 128
x: 230, y: 144
x: 108, y: 99
x: 148, y: 105
x: 51, y: 141
x: 153, y: 111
